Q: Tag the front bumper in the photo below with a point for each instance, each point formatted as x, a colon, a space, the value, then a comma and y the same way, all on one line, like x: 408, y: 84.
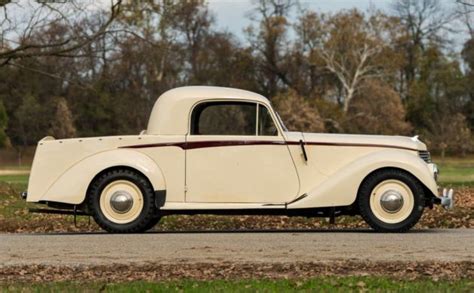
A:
x: 447, y: 199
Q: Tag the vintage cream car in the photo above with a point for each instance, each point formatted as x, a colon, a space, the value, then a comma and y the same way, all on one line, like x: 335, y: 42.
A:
x: 212, y: 150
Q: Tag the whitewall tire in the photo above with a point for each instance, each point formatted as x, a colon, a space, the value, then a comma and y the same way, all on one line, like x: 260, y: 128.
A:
x: 391, y: 200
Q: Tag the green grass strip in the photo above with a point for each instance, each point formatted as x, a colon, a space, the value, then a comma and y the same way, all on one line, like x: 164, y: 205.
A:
x: 322, y: 284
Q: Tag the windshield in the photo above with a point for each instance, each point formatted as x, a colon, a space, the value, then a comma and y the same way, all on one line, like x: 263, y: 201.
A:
x: 283, y: 126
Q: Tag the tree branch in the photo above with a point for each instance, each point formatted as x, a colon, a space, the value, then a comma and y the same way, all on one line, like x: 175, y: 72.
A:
x: 55, y: 49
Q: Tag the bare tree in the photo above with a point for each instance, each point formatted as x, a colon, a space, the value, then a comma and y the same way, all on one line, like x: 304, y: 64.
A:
x: 348, y: 47
x: 30, y: 18
x: 268, y: 41
x: 422, y: 21
x: 350, y: 76
x: 466, y: 3
x: 465, y: 10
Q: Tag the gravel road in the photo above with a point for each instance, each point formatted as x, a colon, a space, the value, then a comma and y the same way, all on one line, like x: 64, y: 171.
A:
x: 258, y: 247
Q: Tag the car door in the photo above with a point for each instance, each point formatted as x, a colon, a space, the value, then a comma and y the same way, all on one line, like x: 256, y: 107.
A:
x: 236, y: 154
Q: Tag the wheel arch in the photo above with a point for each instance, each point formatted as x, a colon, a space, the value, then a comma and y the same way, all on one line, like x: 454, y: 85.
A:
x: 123, y: 167
x: 426, y: 190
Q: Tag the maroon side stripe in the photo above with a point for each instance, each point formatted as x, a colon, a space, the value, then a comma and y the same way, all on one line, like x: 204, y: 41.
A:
x: 210, y: 144
x: 155, y: 145
x: 222, y: 143
x: 354, y: 145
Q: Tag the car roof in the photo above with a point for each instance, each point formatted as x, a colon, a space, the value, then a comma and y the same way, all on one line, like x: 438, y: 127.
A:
x: 170, y: 114
x: 214, y: 92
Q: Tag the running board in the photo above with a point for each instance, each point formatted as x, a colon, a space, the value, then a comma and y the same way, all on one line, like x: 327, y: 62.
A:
x: 303, y: 212
x: 60, y: 212
x: 287, y: 203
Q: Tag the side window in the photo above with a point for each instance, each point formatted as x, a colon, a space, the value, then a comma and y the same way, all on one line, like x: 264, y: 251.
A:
x: 224, y: 118
x: 266, y: 126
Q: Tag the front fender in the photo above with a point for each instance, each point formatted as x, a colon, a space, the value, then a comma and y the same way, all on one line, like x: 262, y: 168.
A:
x: 71, y: 186
x: 340, y: 189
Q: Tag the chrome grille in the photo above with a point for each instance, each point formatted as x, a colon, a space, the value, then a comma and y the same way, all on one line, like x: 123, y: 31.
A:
x: 425, y: 156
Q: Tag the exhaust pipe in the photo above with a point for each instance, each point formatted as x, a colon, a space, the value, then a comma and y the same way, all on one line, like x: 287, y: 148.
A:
x: 23, y: 195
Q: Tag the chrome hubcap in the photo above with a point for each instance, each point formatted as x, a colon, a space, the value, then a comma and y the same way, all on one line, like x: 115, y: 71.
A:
x: 121, y: 202
x: 391, y: 201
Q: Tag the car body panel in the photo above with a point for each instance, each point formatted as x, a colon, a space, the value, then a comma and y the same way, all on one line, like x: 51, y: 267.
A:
x: 341, y: 186
x: 63, y: 169
x: 259, y: 170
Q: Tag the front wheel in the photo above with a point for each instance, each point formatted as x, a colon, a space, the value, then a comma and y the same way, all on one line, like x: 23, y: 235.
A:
x: 391, y: 200
x: 122, y: 201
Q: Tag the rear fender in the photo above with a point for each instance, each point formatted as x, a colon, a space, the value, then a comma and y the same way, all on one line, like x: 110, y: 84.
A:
x: 71, y: 187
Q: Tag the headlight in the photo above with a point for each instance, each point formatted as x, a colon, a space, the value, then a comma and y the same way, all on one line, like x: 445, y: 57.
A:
x: 435, y: 172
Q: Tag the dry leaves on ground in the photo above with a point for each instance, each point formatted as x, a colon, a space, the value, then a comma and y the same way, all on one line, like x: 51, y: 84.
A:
x: 236, y: 271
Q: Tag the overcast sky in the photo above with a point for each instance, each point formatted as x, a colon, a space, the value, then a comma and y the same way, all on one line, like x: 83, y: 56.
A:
x: 232, y: 14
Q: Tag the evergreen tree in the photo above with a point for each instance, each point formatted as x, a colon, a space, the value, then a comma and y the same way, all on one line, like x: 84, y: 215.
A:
x: 63, y: 123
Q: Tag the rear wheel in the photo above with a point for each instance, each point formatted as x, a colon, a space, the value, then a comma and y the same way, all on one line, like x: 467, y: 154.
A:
x: 153, y: 223
x: 391, y: 200
x: 122, y: 201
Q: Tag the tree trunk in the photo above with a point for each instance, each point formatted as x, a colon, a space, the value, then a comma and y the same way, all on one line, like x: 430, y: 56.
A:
x: 19, y: 155
x: 347, y: 100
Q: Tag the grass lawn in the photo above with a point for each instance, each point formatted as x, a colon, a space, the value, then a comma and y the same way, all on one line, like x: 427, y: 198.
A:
x: 456, y: 171
x: 343, y: 284
x: 20, y: 180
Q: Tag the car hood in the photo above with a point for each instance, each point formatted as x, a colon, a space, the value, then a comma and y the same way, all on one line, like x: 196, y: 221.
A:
x: 403, y: 142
